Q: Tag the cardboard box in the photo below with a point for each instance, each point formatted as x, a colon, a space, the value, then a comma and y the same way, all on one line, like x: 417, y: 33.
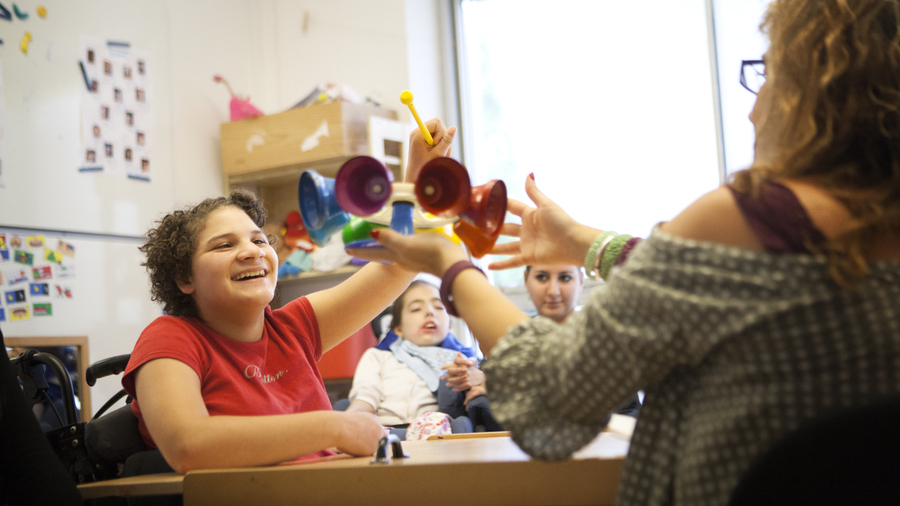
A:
x: 297, y: 138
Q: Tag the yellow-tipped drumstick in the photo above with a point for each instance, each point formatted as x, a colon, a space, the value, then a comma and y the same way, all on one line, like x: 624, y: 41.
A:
x: 406, y: 98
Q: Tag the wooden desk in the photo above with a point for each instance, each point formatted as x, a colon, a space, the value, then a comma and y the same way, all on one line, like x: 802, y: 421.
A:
x: 454, y: 471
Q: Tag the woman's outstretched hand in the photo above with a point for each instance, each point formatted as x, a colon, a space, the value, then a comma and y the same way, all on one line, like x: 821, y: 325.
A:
x: 431, y: 253
x: 547, y: 235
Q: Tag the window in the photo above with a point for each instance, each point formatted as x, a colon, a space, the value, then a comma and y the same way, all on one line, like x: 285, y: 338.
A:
x: 610, y: 104
x: 737, y: 38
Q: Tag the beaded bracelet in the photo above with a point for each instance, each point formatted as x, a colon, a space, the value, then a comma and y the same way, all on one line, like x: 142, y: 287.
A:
x: 611, y: 253
x: 591, y: 266
x: 447, y: 283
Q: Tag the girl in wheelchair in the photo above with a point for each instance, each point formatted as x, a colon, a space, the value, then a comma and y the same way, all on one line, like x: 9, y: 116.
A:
x: 402, y: 379
x: 223, y: 380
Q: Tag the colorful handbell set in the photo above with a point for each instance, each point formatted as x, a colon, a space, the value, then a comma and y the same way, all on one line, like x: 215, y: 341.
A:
x: 442, y: 195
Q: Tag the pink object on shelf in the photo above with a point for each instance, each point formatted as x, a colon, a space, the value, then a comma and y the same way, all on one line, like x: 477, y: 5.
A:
x: 241, y: 108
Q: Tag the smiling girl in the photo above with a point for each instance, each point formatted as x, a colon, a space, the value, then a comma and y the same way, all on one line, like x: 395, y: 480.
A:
x: 223, y: 380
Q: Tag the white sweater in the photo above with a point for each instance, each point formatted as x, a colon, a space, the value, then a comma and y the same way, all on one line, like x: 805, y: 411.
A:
x: 397, y: 393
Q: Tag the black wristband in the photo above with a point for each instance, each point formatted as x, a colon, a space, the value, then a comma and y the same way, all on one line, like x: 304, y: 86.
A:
x: 447, y: 283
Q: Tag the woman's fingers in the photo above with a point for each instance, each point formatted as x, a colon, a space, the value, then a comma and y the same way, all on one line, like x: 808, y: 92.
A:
x: 536, y: 196
x: 509, y: 263
x: 372, y: 253
x: 506, y: 248
x: 387, y: 238
x: 517, y: 207
x: 511, y: 229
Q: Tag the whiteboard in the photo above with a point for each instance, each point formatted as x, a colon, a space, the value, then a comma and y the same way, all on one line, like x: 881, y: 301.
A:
x: 42, y: 92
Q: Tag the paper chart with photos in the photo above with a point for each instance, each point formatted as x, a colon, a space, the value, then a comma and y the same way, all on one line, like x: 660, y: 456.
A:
x: 116, y: 109
x: 36, y: 272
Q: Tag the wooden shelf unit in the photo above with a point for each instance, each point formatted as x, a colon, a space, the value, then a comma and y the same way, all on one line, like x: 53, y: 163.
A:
x: 297, y: 137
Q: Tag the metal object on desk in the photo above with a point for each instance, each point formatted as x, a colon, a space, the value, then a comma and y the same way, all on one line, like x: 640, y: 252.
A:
x: 381, y: 455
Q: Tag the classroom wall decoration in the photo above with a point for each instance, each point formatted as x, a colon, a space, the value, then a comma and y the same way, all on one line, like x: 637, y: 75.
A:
x: 2, y: 126
x: 116, y: 109
x: 36, y: 273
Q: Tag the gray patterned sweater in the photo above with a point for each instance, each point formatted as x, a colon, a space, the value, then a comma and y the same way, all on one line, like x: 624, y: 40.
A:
x: 733, y: 348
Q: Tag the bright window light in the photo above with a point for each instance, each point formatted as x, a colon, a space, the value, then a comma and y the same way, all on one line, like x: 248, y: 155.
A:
x: 737, y: 38
x: 610, y: 104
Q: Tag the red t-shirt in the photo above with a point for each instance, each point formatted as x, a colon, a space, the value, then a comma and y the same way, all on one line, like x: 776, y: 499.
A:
x: 275, y: 375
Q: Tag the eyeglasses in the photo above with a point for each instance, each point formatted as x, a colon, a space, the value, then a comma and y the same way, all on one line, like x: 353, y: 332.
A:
x: 753, y: 75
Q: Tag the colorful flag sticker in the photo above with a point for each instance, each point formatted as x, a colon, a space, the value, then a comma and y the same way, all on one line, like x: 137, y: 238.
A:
x: 65, y: 248
x: 53, y: 256
x: 40, y: 289
x: 43, y: 272
x: 15, y: 296
x: 35, y: 241
x: 4, y: 255
x: 2, y: 315
x: 19, y: 313
x: 16, y: 276
x: 45, y: 309
x: 2, y: 241
x: 23, y: 257
x: 65, y: 271
x: 63, y: 292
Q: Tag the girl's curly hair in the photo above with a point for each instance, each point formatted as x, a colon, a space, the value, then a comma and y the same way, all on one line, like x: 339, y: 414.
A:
x: 834, y: 115
x: 170, y: 248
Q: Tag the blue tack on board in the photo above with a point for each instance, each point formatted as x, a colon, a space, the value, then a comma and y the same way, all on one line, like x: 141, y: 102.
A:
x: 19, y: 14
x: 87, y: 81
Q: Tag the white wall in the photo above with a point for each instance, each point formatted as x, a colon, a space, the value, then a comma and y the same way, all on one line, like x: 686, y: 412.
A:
x: 275, y: 51
x: 426, y: 53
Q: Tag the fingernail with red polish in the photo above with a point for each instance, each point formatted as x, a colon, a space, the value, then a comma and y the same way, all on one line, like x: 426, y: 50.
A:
x: 531, y: 176
x: 375, y: 233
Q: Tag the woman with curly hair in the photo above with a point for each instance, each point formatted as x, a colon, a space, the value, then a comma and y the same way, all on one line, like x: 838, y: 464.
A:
x: 766, y: 304
x: 225, y: 381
